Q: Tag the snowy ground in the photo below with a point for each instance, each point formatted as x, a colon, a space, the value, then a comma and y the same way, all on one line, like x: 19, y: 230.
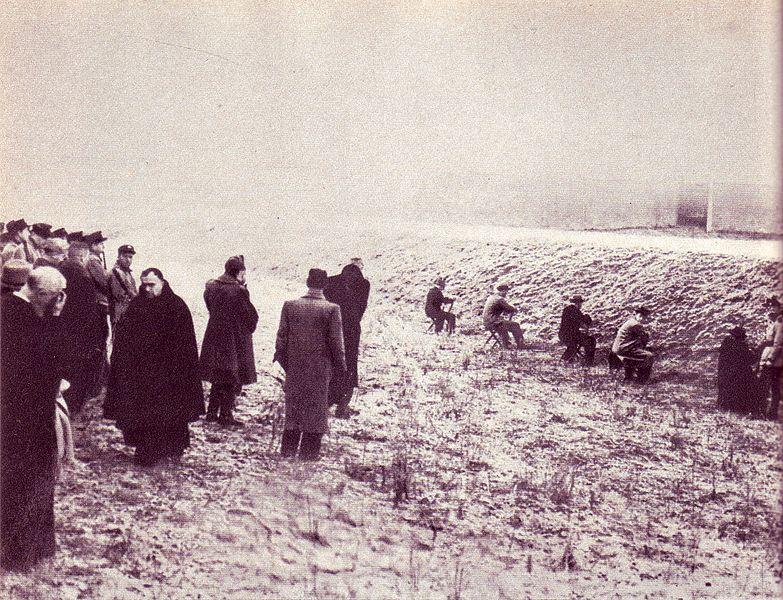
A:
x: 470, y: 473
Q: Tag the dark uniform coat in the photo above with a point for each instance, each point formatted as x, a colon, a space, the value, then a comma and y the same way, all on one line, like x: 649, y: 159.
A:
x: 30, y: 367
x: 571, y: 323
x: 310, y: 348
x: 738, y: 387
x: 228, y: 340
x: 154, y: 385
x: 81, y: 321
x: 350, y: 291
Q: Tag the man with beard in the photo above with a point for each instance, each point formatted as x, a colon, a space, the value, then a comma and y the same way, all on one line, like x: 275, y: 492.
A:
x: 227, y: 360
x: 350, y: 291
x: 122, y: 285
x: 81, y: 322
x: 31, y: 371
x: 154, y: 387
x: 309, y: 347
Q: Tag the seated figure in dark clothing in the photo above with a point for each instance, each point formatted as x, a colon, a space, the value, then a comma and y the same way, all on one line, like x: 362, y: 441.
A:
x: 739, y: 389
x: 572, y: 334
x: 434, y: 307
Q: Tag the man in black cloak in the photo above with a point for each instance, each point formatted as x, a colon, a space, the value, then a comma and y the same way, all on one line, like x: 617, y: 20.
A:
x: 30, y: 373
x: 154, y: 386
x: 350, y: 291
x: 739, y: 389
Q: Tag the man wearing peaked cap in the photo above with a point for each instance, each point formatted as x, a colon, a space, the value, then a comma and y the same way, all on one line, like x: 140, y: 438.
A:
x: 59, y: 233
x: 122, y: 285
x: 75, y: 236
x: 573, y: 324
x: 96, y: 267
x: 42, y: 230
x: 39, y: 233
x: 18, y: 245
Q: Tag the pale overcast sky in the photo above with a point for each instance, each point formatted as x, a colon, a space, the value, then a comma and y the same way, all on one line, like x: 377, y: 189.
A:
x: 193, y: 100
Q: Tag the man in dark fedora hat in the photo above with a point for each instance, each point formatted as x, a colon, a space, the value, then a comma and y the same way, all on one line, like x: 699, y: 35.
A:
x: 630, y: 345
x: 309, y: 347
x: 573, y: 331
x: 433, y: 307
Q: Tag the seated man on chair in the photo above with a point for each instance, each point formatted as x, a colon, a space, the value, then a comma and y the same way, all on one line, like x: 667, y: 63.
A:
x: 434, y: 307
x: 572, y: 332
x: 630, y: 343
x: 495, y: 311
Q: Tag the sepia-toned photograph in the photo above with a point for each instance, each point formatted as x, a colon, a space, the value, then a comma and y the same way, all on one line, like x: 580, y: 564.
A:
x: 415, y: 299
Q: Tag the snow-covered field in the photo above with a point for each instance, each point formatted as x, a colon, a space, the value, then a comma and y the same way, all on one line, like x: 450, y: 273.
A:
x: 469, y: 473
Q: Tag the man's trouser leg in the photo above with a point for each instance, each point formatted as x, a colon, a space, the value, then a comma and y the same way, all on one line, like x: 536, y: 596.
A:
x: 640, y: 361
x: 570, y: 352
x: 501, y: 330
x: 439, y: 319
x: 516, y: 331
x: 228, y: 387
x: 290, y: 442
x: 588, y: 343
x: 451, y: 321
x: 311, y: 446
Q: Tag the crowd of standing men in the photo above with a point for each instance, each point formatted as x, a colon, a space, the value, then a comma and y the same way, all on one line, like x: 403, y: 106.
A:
x: 61, y: 307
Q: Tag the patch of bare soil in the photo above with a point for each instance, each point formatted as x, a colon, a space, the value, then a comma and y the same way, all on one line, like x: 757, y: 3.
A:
x: 469, y: 472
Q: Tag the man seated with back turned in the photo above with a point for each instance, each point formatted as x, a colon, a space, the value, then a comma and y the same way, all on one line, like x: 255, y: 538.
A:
x: 630, y: 343
x: 572, y: 331
x: 495, y: 311
x: 433, y: 308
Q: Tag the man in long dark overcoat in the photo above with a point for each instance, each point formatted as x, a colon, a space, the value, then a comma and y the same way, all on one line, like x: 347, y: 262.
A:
x: 154, y: 386
x: 310, y: 349
x: 350, y: 291
x: 738, y: 387
x: 227, y: 359
x: 30, y: 373
x: 81, y: 320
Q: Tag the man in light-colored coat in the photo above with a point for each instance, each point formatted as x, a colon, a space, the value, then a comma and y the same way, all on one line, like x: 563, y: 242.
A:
x: 310, y: 348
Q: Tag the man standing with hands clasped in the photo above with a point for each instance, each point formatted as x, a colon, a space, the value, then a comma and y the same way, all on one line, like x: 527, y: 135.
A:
x: 310, y: 349
x: 227, y: 359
